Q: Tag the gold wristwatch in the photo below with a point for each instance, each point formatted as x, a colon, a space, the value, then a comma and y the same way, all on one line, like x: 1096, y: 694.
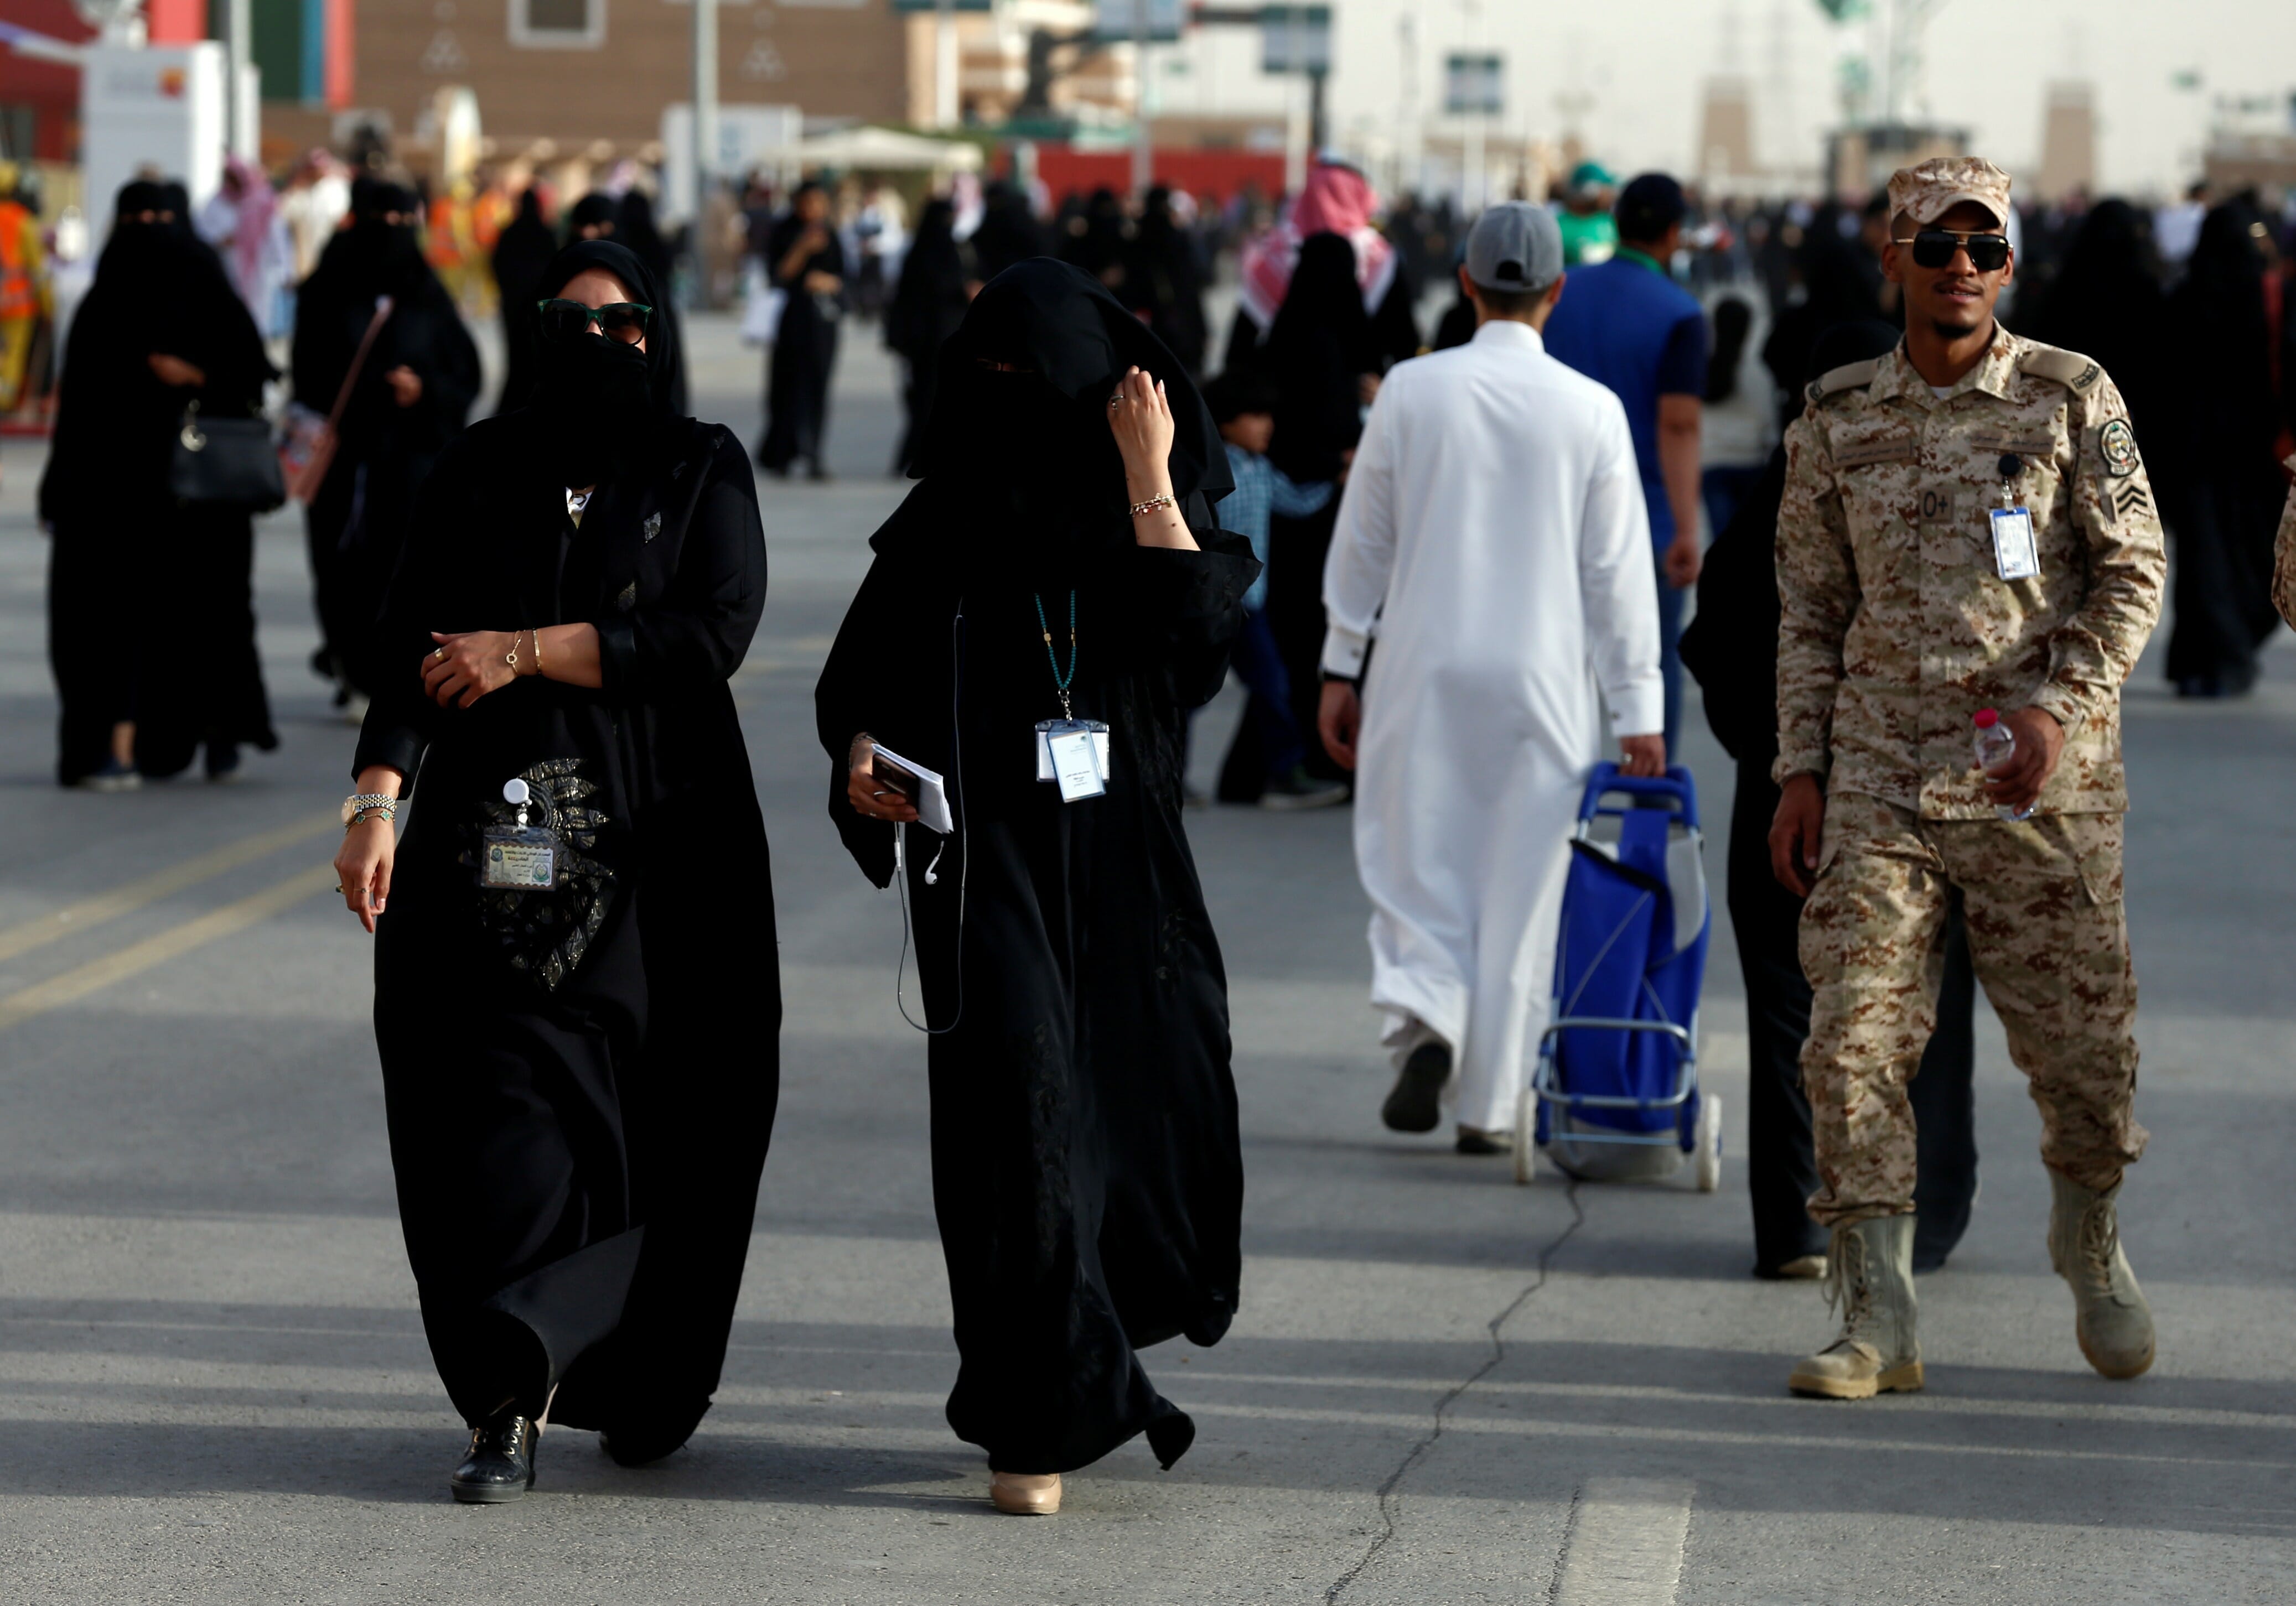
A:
x: 368, y: 802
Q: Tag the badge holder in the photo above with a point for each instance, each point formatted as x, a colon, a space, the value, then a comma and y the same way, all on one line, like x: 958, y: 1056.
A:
x: 1073, y: 755
x: 2016, y: 556
x: 519, y: 857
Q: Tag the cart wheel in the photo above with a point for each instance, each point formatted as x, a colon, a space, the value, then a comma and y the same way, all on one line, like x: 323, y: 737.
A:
x: 1708, y: 1148
x: 1526, y: 1128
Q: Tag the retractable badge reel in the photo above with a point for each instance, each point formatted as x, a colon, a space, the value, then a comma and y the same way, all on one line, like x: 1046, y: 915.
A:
x: 519, y: 857
x: 2015, y: 554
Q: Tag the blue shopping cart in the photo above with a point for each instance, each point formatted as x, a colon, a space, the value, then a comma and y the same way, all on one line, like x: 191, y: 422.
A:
x: 1615, y: 1094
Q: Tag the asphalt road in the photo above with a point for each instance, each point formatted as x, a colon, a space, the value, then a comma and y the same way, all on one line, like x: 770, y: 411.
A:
x: 214, y: 1388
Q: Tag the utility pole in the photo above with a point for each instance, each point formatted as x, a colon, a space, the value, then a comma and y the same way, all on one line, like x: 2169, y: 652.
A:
x: 1143, y: 152
x: 945, y: 87
x: 705, y: 115
x: 237, y: 111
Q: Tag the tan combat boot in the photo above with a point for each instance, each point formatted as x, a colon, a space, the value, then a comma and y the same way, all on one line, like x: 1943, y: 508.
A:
x: 2112, y: 1318
x: 1869, y: 1271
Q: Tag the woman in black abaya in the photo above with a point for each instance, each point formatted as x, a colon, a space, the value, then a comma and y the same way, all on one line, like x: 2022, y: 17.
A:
x: 805, y: 263
x: 2219, y: 483
x: 412, y: 396
x: 521, y: 254
x: 938, y: 279
x: 580, y: 1081
x: 1085, y: 1171
x: 1320, y: 350
x: 140, y: 586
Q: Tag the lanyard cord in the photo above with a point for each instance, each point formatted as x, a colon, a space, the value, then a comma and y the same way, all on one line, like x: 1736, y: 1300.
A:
x: 1060, y: 682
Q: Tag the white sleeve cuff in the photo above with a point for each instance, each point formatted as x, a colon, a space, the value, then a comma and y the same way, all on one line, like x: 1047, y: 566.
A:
x: 1637, y: 710
x: 1344, y: 650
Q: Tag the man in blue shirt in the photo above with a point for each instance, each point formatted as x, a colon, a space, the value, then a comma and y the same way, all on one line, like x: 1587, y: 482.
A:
x: 1628, y: 324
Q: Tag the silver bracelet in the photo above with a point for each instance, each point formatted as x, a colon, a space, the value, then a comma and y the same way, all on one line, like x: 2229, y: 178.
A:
x: 1151, y: 505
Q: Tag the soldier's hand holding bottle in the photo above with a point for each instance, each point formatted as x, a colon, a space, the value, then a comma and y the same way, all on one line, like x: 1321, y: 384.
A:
x: 2017, y: 784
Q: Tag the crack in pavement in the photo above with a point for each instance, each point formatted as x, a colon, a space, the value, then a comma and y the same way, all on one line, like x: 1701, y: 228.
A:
x: 1388, y: 1503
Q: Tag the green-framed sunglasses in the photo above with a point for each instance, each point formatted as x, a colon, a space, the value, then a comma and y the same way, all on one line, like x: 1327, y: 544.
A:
x: 623, y: 321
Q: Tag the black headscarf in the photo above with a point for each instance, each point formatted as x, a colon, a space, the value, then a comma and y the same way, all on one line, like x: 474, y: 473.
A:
x: 2106, y: 303
x: 1034, y: 481
x: 593, y: 210
x: 635, y: 227
x: 599, y: 401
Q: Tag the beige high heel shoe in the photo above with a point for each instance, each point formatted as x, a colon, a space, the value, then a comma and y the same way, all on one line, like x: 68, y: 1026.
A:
x: 1025, y: 1494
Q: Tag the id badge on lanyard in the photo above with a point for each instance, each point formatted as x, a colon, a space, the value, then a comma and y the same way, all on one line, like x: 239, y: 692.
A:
x: 1073, y: 755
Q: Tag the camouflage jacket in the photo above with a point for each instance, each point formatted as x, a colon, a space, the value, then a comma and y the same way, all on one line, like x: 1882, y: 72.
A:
x: 1895, y: 626
x: 2283, y: 556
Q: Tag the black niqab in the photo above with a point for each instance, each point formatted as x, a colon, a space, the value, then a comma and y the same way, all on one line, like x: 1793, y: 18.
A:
x: 1038, y: 483
x: 599, y: 400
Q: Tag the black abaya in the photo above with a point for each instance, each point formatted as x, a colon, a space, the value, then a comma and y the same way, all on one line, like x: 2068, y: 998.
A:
x: 581, y: 1083
x: 2220, y: 481
x: 805, y: 351
x: 1087, y: 1175
x: 938, y: 277
x: 140, y: 585
x: 356, y: 524
x: 521, y: 255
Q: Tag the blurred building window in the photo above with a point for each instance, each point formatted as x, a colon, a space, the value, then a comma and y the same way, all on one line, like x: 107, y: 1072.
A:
x: 558, y: 24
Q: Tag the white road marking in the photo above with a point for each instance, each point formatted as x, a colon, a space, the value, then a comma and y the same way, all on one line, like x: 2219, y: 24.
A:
x: 227, y: 922
x: 162, y: 883
x: 1625, y: 1543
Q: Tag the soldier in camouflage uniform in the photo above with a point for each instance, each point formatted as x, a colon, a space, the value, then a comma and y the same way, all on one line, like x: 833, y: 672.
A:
x: 2283, y: 555
x: 1908, y: 607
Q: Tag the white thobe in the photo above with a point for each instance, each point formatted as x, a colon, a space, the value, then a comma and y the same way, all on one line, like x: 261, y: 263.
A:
x: 1493, y: 537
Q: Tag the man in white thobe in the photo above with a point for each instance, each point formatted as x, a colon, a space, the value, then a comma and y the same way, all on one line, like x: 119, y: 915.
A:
x: 1493, y: 538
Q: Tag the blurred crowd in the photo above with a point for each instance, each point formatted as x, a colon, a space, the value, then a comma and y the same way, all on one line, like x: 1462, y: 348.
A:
x: 2188, y: 306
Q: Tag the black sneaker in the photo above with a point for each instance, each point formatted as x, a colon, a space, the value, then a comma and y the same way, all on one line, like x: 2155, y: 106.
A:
x: 1300, y: 790
x: 1477, y: 1140
x: 1417, y: 1102
x: 500, y: 1466
x: 223, y: 763
x: 114, y: 776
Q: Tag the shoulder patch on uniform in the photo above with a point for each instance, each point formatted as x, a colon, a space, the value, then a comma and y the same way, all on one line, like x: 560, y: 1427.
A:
x: 1849, y: 376
x: 2069, y: 368
x: 2116, y: 443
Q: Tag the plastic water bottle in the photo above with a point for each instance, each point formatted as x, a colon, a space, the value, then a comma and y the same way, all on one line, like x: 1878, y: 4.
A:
x: 1995, y: 748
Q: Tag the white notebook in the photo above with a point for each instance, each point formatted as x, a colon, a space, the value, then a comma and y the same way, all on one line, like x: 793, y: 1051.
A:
x: 919, y: 785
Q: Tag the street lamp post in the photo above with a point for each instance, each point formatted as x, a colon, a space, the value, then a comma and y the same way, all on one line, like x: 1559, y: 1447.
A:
x: 705, y: 113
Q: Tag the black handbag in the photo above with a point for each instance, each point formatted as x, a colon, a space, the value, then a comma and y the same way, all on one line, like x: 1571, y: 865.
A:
x: 226, y: 462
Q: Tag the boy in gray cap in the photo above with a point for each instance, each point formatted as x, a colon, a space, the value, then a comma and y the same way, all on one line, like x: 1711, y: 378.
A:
x: 1493, y: 537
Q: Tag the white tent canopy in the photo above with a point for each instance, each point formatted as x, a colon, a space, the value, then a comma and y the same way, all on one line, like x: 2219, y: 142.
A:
x: 873, y: 149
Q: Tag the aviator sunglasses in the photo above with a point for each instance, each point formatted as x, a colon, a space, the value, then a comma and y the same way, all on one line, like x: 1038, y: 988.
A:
x: 623, y: 321
x: 1934, y: 248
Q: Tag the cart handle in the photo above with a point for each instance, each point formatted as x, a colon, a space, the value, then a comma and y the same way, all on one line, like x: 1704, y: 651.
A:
x: 1681, y: 1035
x: 1676, y: 785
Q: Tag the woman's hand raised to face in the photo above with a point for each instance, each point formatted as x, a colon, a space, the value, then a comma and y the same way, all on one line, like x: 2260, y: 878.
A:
x: 463, y: 669
x: 1140, y: 416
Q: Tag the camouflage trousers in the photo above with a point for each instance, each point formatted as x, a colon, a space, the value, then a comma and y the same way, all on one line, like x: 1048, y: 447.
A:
x: 2049, y: 942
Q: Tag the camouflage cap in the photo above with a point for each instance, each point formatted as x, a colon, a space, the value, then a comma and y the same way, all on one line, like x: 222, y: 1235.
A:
x: 1929, y: 190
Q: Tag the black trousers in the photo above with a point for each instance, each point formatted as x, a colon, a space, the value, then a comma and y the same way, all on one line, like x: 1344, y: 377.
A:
x: 1781, y: 1166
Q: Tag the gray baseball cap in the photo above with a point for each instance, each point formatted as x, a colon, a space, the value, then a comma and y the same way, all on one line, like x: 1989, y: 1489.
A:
x: 1515, y: 246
